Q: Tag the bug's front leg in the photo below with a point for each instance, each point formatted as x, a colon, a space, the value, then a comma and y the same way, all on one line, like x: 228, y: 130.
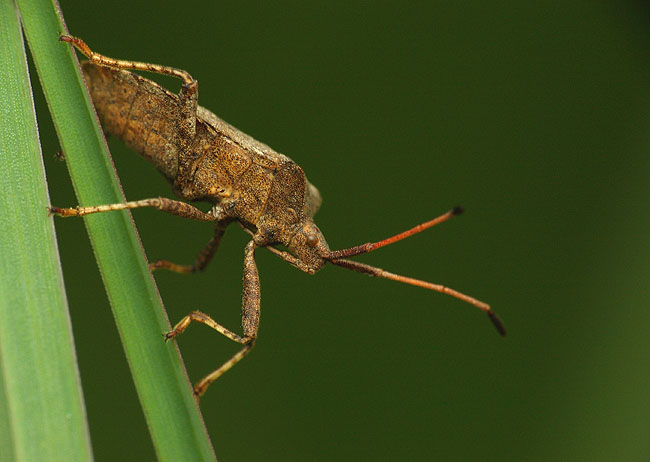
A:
x: 250, y: 320
x: 163, y: 204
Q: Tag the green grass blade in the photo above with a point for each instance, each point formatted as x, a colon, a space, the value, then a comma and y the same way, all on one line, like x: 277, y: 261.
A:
x: 42, y: 415
x: 170, y: 410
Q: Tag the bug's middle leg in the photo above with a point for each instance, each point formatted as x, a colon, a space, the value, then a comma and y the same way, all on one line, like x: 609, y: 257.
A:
x: 250, y: 320
x: 203, y: 258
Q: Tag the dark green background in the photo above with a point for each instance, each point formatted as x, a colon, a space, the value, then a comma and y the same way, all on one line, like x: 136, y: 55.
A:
x: 533, y: 115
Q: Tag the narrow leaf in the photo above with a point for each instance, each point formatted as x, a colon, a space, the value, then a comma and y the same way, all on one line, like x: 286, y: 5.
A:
x: 170, y: 410
x: 42, y: 416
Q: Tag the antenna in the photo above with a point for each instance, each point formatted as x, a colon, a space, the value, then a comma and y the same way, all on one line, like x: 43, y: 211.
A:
x: 339, y: 258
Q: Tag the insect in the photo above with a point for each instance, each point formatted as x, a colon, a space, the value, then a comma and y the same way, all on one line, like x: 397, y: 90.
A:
x: 245, y: 181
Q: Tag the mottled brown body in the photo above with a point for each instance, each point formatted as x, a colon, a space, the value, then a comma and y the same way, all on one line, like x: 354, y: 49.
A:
x: 248, y: 180
x: 206, y: 159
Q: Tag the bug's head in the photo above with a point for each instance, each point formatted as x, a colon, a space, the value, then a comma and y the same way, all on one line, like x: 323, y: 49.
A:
x: 309, y: 245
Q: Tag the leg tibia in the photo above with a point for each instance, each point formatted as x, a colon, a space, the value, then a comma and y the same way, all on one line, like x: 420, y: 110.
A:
x: 203, y: 318
x: 205, y: 382
x: 250, y: 320
x: 176, y: 268
x: 125, y: 64
x: 163, y: 204
x: 202, y: 260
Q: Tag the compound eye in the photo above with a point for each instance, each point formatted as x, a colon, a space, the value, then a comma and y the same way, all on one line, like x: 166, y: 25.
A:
x: 312, y: 240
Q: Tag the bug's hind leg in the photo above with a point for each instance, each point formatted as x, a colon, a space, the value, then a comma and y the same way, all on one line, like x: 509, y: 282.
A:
x: 188, y: 95
x: 124, y: 63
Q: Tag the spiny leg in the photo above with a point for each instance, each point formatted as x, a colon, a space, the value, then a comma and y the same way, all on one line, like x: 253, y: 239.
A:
x: 189, y: 89
x: 203, y: 384
x: 124, y: 63
x: 202, y: 260
x: 198, y: 316
x: 250, y: 320
x: 163, y: 204
x: 203, y: 318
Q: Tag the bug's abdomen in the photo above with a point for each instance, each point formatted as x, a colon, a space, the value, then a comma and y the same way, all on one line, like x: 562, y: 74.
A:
x: 143, y: 116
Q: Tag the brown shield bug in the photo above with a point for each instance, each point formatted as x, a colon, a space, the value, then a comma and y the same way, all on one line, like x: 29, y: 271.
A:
x: 245, y: 181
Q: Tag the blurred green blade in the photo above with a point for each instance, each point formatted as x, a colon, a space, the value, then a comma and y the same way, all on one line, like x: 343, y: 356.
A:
x: 170, y: 410
x: 41, y: 407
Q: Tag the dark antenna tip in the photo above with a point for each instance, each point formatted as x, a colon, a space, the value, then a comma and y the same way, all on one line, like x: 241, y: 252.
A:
x: 497, y: 322
x: 457, y: 210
